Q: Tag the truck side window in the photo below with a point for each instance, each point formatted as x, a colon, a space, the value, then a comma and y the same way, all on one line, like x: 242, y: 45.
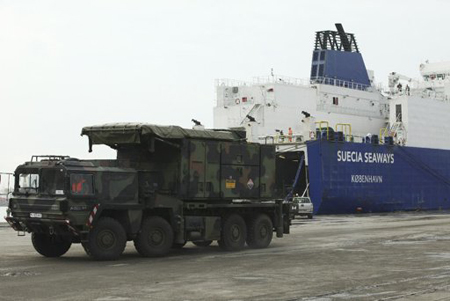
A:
x: 81, y: 184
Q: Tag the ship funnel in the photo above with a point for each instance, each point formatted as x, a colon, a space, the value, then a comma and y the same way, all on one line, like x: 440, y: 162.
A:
x: 344, y: 39
x: 337, y: 61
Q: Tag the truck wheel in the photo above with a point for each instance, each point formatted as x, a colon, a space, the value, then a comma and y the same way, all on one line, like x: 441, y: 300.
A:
x: 202, y: 243
x: 155, y: 238
x: 234, y: 233
x: 107, y: 240
x: 50, y: 245
x: 310, y: 216
x: 260, y: 232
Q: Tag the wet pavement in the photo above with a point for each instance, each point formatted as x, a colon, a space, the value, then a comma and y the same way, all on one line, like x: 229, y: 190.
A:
x: 398, y: 256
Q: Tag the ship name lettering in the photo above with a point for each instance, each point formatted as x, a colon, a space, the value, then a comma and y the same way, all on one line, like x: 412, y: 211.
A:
x: 349, y: 156
x: 369, y: 157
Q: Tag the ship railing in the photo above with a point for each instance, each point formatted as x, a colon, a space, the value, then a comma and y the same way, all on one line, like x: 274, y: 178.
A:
x: 282, y: 139
x: 341, y: 83
x: 424, y: 92
x: 226, y: 82
x: 280, y: 79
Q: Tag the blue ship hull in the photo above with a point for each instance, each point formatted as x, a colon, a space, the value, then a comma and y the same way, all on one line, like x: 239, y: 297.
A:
x: 351, y: 177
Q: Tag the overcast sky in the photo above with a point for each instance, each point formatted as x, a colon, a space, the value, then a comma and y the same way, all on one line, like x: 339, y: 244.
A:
x: 69, y: 64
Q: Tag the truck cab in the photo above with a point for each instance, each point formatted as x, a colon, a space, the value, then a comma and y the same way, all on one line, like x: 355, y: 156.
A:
x: 56, y: 198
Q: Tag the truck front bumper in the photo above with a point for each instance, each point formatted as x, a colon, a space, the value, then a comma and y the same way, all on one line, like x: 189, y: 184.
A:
x: 42, y: 225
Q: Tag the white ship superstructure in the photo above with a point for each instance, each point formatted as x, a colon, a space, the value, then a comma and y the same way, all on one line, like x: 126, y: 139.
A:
x: 339, y: 91
x: 275, y: 104
x: 419, y: 109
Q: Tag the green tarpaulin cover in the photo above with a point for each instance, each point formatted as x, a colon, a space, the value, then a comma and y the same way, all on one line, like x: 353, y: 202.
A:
x: 132, y: 133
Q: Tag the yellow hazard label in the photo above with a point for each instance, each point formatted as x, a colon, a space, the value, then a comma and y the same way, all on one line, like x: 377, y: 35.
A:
x: 230, y: 184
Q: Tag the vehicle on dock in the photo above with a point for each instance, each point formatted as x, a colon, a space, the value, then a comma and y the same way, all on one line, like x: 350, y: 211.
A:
x: 168, y: 185
x: 302, y: 206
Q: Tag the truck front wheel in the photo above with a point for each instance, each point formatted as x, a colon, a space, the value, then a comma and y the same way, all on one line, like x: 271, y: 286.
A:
x: 260, y: 232
x: 155, y: 238
x: 234, y: 233
x: 50, y: 245
x: 107, y: 240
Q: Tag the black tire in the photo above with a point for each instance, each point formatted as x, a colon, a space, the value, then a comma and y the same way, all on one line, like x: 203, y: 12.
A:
x: 310, y: 216
x: 50, y: 245
x: 155, y: 238
x: 260, y: 232
x: 234, y: 233
x: 202, y: 243
x: 107, y: 240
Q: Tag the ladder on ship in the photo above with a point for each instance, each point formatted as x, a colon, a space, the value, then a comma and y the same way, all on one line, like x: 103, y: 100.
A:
x: 397, y: 130
x: 251, y: 112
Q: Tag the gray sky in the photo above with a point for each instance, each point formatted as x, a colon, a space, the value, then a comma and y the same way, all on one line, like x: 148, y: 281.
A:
x: 69, y: 64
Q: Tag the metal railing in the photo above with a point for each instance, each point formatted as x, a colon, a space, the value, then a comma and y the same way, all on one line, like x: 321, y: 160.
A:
x: 340, y: 83
x: 280, y: 79
x: 6, y: 187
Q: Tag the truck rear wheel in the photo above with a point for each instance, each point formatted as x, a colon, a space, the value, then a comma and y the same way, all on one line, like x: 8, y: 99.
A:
x: 50, y: 245
x: 107, y: 240
x: 260, y: 232
x: 234, y: 233
x: 155, y: 238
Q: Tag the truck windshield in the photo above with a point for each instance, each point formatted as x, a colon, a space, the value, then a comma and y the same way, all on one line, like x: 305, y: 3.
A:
x: 45, y: 181
x: 298, y: 200
x: 52, y: 181
x: 28, y: 183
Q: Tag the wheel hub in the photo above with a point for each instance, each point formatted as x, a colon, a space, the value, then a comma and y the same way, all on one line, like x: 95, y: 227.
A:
x: 106, y: 239
x: 156, y: 237
x: 263, y: 232
x: 235, y: 232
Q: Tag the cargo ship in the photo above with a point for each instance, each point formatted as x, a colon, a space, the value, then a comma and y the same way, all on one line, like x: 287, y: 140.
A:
x: 350, y: 144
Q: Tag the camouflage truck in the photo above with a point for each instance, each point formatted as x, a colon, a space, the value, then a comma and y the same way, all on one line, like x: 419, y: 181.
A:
x: 168, y: 185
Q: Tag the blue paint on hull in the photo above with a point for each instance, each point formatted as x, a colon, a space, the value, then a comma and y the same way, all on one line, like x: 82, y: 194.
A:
x: 345, y: 176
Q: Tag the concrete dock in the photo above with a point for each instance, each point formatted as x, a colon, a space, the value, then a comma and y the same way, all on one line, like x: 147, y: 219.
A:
x: 396, y: 256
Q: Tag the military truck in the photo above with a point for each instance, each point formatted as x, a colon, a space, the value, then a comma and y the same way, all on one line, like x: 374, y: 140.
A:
x: 168, y: 185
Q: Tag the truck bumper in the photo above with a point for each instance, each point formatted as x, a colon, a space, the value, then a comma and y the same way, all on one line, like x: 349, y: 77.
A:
x: 52, y: 226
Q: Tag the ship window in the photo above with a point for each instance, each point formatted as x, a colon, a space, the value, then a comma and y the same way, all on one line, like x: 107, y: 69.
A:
x: 320, y: 70
x: 314, y: 71
x: 335, y: 101
x: 322, y: 55
x: 315, y: 56
x: 398, y: 113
